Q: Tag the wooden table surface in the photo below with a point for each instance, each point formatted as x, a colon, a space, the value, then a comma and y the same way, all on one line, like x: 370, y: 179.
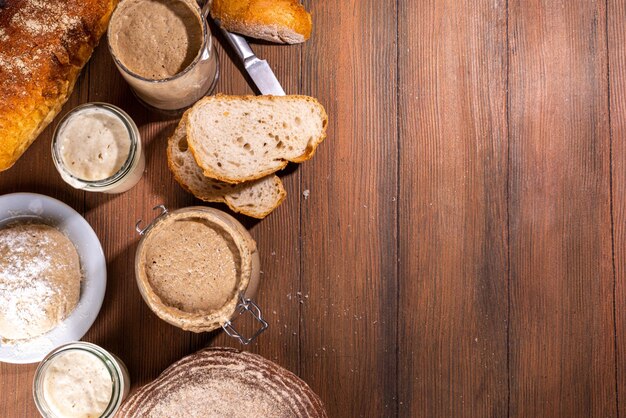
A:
x: 457, y: 246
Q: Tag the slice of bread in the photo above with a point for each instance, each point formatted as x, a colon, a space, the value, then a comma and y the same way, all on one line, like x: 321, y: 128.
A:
x: 283, y: 21
x: 242, y: 138
x: 256, y: 199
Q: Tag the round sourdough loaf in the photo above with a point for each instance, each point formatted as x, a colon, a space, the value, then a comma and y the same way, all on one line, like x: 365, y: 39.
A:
x: 224, y: 382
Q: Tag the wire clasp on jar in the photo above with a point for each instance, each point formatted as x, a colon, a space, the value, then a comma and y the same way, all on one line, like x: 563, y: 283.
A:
x: 246, y: 305
x: 144, y: 230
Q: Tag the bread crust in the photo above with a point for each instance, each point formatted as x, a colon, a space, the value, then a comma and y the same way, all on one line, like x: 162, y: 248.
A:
x: 261, y: 215
x: 282, y: 21
x: 308, y: 153
x: 44, y: 44
x: 223, y: 198
x: 246, y: 380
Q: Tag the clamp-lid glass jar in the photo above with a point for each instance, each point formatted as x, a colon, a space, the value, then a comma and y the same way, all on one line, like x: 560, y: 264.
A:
x: 196, y: 268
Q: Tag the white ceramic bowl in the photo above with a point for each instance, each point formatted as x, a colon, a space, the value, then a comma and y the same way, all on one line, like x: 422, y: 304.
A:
x: 31, y: 206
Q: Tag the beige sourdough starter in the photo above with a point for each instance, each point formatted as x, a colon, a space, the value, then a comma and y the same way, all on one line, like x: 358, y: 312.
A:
x: 159, y: 40
x: 191, y: 265
x: 39, y: 279
x: 156, y: 39
x: 77, y: 384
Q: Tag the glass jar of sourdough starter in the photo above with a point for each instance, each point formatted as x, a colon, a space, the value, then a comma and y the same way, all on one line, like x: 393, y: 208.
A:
x: 164, y: 50
x: 97, y: 147
x: 80, y: 380
x: 197, y: 269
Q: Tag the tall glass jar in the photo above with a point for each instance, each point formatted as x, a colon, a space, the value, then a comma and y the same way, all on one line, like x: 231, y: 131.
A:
x: 240, y: 246
x: 173, y: 94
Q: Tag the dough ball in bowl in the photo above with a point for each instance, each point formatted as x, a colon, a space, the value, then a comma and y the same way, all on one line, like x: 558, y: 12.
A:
x: 40, y: 280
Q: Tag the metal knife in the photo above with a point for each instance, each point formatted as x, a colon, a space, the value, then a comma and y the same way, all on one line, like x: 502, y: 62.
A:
x: 259, y: 70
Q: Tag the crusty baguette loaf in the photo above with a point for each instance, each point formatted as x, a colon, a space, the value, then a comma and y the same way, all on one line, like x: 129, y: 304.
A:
x: 224, y: 382
x: 256, y: 199
x: 242, y: 138
x: 284, y: 21
x: 43, y: 46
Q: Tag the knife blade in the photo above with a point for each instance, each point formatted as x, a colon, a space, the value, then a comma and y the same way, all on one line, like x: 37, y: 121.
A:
x: 259, y: 70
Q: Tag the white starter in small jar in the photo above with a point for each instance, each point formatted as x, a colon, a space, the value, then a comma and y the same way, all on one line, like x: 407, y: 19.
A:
x: 96, y: 147
x: 77, y: 384
x: 94, y: 144
x: 80, y: 380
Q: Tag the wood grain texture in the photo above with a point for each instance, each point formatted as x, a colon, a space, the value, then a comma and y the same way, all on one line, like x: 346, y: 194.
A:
x: 457, y: 246
x: 616, y: 14
x: 348, y: 331
x: 562, y: 359
x: 453, y: 221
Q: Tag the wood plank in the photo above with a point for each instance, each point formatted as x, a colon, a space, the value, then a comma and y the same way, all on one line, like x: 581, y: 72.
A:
x: 34, y: 172
x: 453, y: 220
x: 616, y: 14
x: 349, y: 258
x: 562, y: 359
x: 277, y: 236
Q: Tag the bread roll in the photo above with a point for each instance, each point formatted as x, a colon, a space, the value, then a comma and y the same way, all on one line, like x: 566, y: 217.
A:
x: 224, y: 382
x: 283, y: 21
x: 43, y: 46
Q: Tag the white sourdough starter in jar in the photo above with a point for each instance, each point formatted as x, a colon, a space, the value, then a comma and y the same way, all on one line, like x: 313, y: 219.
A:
x: 97, y: 147
x: 94, y: 144
x: 77, y: 384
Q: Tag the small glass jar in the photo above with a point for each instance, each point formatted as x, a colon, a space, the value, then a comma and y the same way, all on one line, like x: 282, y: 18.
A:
x: 132, y: 168
x: 120, y: 379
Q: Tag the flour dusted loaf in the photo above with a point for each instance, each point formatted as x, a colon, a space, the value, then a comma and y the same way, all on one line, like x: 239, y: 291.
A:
x: 43, y: 46
x: 283, y: 21
x: 242, y: 138
x: 223, y: 382
x: 39, y: 280
x: 256, y: 199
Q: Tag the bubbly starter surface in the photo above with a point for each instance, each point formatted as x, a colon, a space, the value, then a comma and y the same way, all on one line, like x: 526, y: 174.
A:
x: 156, y: 39
x: 192, y: 265
x: 77, y: 385
x: 94, y: 144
